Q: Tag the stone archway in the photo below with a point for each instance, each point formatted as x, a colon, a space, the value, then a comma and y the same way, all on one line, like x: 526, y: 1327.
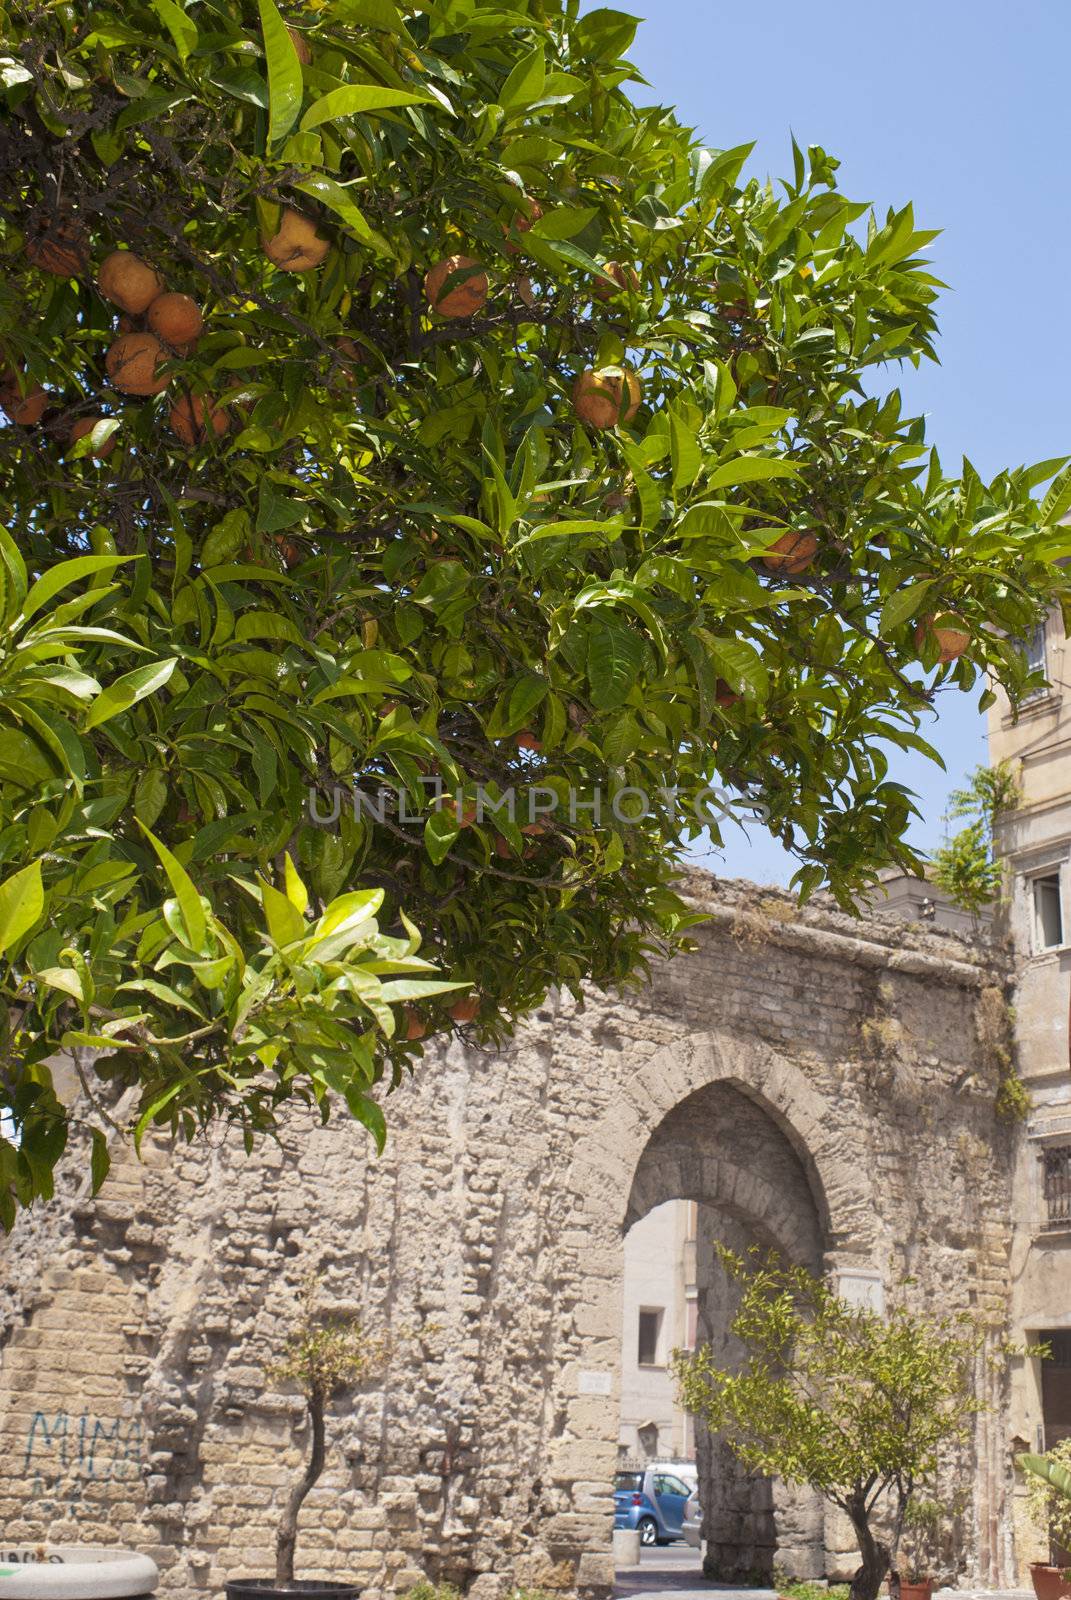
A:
x: 737, y: 1128
x: 720, y: 1149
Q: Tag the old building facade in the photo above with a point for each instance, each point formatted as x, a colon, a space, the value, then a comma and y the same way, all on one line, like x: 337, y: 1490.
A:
x: 806, y: 1080
x: 1035, y: 842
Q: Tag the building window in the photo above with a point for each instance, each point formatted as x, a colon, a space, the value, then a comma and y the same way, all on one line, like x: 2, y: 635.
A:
x: 1048, y: 912
x: 650, y: 1337
x: 1033, y: 652
x: 1034, y: 649
x: 1056, y: 1187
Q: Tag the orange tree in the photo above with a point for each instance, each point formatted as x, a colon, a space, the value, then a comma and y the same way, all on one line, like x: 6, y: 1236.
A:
x: 390, y: 400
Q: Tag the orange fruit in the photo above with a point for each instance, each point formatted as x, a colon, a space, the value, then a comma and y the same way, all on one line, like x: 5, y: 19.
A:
x: 464, y: 297
x: 793, y: 552
x: 605, y: 397
x: 724, y: 695
x: 24, y: 403
x: 193, y: 417
x: 526, y: 741
x: 467, y: 1009
x: 177, y: 320
x: 129, y: 282
x: 86, y: 425
x: 58, y: 246
x: 952, y: 642
x: 624, y: 277
x: 413, y: 1025
x: 288, y: 549
x: 133, y: 364
x: 296, y: 247
x: 522, y: 223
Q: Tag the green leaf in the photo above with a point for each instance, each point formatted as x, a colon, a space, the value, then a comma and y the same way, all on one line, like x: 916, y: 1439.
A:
x: 902, y: 604
x: 296, y: 891
x: 526, y: 82
x: 614, y: 657
x: 1050, y: 1471
x: 335, y: 197
x: 358, y: 99
x: 65, y: 979
x: 150, y: 796
x: 564, y: 222
x: 440, y: 833
x: 129, y: 689
x: 685, y: 454
x: 750, y: 469
x: 58, y: 577
x: 193, y: 911
x: 178, y: 25
x: 416, y: 989
x: 22, y: 900
x: 285, y: 922
x: 1057, y: 501
x: 285, y: 83
x: 100, y: 1160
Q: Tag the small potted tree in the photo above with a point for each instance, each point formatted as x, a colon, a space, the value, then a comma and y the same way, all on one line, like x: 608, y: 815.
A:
x: 1048, y: 1479
x: 856, y: 1405
x: 919, y: 1555
x: 326, y: 1356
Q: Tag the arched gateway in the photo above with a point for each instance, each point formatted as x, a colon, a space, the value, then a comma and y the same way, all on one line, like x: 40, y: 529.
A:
x: 808, y: 1080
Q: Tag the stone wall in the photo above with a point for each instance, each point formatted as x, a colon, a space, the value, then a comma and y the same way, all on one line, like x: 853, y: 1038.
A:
x: 809, y: 1079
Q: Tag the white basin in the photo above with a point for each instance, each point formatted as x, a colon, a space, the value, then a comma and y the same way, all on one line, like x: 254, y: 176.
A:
x: 74, y: 1572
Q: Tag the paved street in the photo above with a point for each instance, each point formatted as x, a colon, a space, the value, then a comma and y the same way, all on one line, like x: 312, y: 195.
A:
x: 675, y: 1573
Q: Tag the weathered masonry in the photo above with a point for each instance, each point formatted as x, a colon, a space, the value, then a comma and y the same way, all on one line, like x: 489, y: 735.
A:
x: 813, y: 1082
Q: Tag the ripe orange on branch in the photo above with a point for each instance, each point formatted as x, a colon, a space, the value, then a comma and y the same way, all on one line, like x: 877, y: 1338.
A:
x: 86, y: 425
x: 413, y: 1025
x: 23, y: 403
x: 129, y: 282
x: 952, y: 637
x: 295, y: 246
x: 177, y: 320
x: 465, y: 295
x: 58, y: 246
x: 522, y: 223
x: 604, y: 397
x: 193, y: 417
x: 625, y: 277
x: 793, y: 552
x: 133, y: 364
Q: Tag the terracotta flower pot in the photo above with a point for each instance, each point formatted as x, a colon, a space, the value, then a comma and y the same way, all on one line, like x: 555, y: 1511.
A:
x: 1050, y: 1583
x: 922, y: 1590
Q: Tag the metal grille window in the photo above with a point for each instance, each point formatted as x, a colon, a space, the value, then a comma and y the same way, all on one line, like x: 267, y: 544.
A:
x: 1056, y: 1172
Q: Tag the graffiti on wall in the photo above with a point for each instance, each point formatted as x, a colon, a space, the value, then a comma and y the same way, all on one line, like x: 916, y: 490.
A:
x: 66, y: 1452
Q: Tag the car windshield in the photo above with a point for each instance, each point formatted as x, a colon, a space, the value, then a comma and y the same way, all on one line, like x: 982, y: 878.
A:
x: 628, y: 1481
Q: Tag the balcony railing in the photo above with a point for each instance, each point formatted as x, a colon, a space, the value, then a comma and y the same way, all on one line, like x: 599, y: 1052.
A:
x: 1056, y: 1182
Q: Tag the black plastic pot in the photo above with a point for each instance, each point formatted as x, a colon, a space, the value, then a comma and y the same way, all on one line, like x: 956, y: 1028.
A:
x: 306, y: 1588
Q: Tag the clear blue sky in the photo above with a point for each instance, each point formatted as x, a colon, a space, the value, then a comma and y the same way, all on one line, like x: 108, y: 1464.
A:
x: 960, y: 107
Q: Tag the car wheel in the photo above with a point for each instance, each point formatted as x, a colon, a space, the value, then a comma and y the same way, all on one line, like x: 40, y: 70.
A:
x: 648, y: 1530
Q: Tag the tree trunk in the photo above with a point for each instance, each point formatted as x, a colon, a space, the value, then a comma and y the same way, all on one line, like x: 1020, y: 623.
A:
x: 286, y: 1538
x: 867, y: 1581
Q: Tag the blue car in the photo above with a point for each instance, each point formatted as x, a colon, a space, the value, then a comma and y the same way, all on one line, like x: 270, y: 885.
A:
x: 651, y: 1501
